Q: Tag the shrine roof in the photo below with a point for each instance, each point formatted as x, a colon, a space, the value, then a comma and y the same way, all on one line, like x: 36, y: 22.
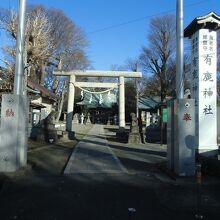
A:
x: 93, y: 100
x: 154, y: 102
x: 42, y: 90
x: 37, y: 105
x: 148, y: 102
x: 210, y: 21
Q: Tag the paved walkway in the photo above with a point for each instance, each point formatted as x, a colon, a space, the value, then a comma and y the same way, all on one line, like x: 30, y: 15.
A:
x: 93, y: 155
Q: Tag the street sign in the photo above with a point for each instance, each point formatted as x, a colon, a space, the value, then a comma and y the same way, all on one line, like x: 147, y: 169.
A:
x: 164, y: 115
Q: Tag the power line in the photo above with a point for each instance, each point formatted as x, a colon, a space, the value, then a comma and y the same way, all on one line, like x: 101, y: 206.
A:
x: 143, y: 18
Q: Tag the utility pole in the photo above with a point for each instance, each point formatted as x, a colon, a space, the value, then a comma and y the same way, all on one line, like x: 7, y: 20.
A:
x: 137, y: 97
x: 19, y: 66
x: 179, y: 59
x: 14, y: 110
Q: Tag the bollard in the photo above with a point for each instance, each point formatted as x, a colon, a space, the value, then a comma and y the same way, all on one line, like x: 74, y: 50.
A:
x: 198, y: 214
x: 131, y: 213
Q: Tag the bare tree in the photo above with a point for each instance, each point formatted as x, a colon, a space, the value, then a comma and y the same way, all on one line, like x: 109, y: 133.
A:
x: 134, y: 65
x: 51, y: 37
x: 52, y: 41
x: 39, y: 41
x: 8, y: 21
x: 133, y: 87
x: 38, y: 44
x: 158, y: 58
x: 69, y: 51
x: 69, y: 41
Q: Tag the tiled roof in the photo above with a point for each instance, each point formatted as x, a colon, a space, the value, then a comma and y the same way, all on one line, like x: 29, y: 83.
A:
x: 210, y: 21
x: 43, y: 91
x: 151, y: 102
x: 148, y: 103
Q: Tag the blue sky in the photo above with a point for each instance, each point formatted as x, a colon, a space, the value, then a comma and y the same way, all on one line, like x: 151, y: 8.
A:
x: 117, y: 29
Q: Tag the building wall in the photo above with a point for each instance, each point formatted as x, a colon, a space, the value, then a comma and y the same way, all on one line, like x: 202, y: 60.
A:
x: 37, y: 100
x: 46, y: 102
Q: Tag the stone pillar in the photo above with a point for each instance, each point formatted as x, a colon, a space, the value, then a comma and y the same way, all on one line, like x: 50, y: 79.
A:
x: 181, y: 137
x: 82, y: 118
x: 88, y: 119
x: 184, y: 137
x: 13, y: 134
x: 202, y: 32
x: 70, y: 105
x: 148, y: 117
x: 143, y: 115
x: 203, y: 70
x: 121, y: 102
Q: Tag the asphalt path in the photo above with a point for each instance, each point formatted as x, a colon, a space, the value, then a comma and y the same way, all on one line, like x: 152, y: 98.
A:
x: 127, y: 177
x: 93, y: 155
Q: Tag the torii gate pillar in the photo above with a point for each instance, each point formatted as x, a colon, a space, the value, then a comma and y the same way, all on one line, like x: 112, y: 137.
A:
x: 70, y: 105
x: 121, y: 102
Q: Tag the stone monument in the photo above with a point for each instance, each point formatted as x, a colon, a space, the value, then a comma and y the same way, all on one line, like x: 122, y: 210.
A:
x: 76, y: 119
x: 49, y: 128
x: 88, y: 121
x: 134, y: 135
x: 13, y: 132
x: 202, y: 32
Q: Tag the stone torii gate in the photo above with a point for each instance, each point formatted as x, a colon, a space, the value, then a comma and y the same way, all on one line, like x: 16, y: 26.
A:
x: 92, y: 73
